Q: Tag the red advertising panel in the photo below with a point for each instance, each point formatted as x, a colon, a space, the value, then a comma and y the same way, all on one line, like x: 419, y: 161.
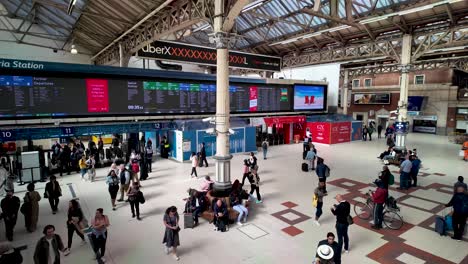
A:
x: 320, y: 132
x: 340, y: 132
x: 98, y: 95
x: 270, y: 121
x: 253, y: 105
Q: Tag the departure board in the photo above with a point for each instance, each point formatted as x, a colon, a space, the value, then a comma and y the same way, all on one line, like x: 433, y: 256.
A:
x: 36, y: 96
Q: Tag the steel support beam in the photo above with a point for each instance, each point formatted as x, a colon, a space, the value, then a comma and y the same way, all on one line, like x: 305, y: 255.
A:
x: 179, y: 17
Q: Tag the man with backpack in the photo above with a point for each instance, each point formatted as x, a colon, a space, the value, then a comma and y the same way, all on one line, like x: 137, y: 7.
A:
x: 323, y: 172
x: 265, y: 148
x: 459, y: 202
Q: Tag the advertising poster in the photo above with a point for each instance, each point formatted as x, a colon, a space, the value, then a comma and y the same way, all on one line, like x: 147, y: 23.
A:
x: 253, y: 99
x: 340, y: 132
x: 309, y: 97
x: 98, y: 95
x: 320, y: 132
x: 356, y: 131
x: 425, y: 124
x: 371, y: 98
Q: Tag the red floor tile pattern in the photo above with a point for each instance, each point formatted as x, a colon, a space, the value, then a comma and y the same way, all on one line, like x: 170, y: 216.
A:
x: 292, y: 231
x: 289, y: 204
x: 388, y: 253
x: 395, y: 247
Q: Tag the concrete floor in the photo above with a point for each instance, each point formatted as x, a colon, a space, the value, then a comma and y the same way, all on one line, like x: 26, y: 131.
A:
x: 281, y: 230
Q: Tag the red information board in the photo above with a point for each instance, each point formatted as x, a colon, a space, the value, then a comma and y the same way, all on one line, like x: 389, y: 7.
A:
x: 340, y: 132
x: 98, y: 95
x: 320, y: 132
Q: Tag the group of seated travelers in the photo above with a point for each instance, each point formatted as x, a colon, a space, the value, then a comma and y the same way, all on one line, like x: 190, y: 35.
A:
x: 222, y: 210
x: 392, y: 156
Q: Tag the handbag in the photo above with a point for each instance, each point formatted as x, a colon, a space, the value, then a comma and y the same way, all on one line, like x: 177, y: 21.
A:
x: 350, y: 220
x: 315, y: 200
x: 26, y: 206
x: 140, y: 197
x: 461, y: 153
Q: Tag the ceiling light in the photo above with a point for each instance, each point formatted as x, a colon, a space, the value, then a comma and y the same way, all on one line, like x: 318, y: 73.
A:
x: 310, y: 35
x: 447, y: 49
x: 375, y: 19
x: 253, y: 5
x: 73, y: 50
x: 339, y: 28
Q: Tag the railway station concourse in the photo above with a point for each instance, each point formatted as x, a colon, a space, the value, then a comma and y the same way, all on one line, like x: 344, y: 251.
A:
x: 222, y: 120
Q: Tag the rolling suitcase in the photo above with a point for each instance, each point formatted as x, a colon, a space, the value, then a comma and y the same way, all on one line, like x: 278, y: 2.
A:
x: 188, y: 220
x: 304, y: 155
x: 305, y: 167
x: 440, y: 226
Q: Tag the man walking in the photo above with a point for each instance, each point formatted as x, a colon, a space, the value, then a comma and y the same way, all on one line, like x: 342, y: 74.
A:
x: 405, y: 169
x: 53, y: 192
x: 379, y: 131
x: 459, y: 202
x: 265, y: 148
x: 203, y: 155
x: 322, y: 172
x: 415, y: 165
x: 125, y: 178
x: 10, y: 206
x: 341, y: 211
x: 48, y: 247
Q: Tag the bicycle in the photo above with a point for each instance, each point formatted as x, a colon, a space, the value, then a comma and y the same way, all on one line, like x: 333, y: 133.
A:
x: 391, y: 217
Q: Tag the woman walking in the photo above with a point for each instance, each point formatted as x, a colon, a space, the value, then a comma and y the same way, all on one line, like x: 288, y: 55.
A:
x: 83, y: 167
x: 99, y: 234
x: 74, y: 223
x: 246, y: 171
x: 171, y: 236
x: 133, y: 199
x: 194, y: 159
x: 254, y: 180
x: 31, y: 208
x: 53, y: 192
x: 113, y: 182
x: 319, y: 194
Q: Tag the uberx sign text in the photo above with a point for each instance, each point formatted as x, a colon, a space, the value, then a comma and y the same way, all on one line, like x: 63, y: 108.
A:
x: 173, y: 51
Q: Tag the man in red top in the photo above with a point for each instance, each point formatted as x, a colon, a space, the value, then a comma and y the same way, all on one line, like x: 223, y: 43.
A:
x: 379, y: 197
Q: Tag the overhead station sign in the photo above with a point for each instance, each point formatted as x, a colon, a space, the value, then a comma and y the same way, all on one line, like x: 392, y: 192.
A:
x: 173, y: 51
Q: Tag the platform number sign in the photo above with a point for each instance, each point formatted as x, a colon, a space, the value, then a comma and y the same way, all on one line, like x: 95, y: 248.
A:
x: 7, y: 135
x: 68, y: 131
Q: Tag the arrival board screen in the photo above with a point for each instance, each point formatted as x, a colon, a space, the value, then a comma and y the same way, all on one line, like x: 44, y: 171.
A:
x: 31, y: 96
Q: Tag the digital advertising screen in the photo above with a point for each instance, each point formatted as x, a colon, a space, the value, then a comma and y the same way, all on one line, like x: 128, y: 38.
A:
x: 309, y: 97
x: 51, y: 96
x: 371, y: 98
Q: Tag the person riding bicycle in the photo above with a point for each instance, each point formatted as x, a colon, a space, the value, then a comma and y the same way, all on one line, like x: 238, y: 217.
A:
x: 379, y: 198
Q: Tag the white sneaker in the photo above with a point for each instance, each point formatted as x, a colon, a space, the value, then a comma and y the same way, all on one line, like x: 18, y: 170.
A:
x: 66, y: 252
x: 83, y: 242
x: 103, y: 259
x: 346, y: 251
x: 239, y: 224
x: 166, y: 250
x: 215, y: 229
x: 317, y: 222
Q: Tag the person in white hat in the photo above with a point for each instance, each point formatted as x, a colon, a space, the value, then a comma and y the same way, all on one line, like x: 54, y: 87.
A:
x: 328, y: 251
x: 325, y: 255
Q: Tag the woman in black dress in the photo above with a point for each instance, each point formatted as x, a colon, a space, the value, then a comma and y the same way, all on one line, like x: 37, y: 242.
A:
x: 171, y: 235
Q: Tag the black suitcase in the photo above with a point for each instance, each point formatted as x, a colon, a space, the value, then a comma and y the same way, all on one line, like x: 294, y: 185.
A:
x: 108, y: 154
x: 304, y: 155
x: 305, y: 167
x: 188, y: 220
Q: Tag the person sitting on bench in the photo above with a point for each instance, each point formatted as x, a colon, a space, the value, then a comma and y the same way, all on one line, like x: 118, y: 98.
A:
x: 221, y: 216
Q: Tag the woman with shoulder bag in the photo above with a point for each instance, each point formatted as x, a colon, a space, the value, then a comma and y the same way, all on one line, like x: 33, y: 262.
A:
x: 74, y: 223
x: 113, y: 182
x: 171, y: 235
x: 133, y: 199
